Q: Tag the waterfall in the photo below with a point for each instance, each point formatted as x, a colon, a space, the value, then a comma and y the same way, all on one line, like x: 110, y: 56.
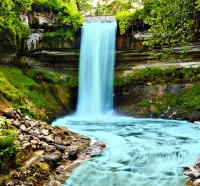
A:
x: 96, y: 69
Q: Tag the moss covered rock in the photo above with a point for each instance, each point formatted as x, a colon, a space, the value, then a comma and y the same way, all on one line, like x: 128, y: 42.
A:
x: 41, y: 93
x: 153, y: 92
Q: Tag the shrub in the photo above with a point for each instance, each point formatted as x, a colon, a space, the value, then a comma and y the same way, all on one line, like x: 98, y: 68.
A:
x: 124, y: 20
x: 8, y: 148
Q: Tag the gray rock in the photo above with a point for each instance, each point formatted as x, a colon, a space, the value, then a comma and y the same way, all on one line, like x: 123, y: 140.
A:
x: 37, y: 123
x: 66, y: 143
x: 43, y: 123
x: 63, y: 130
x: 34, y: 142
x: 30, y: 131
x: 50, y: 148
x: 35, y: 138
x: 60, y: 148
x: 23, y: 128
x: 73, y: 153
x: 22, y: 122
x: 21, y: 137
x: 16, y: 123
x: 18, y: 116
x: 26, y: 145
x: 43, y: 144
x: 30, y: 123
x: 53, y: 159
x: 36, y: 132
x: 197, y: 182
x: 45, y: 132
x: 27, y: 118
x: 196, y: 174
x: 47, y: 138
x: 58, y: 140
x: 172, y: 115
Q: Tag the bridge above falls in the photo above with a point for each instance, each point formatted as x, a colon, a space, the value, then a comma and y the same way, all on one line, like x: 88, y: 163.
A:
x: 99, y: 18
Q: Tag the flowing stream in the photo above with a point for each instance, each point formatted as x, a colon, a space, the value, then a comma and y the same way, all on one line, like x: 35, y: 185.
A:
x: 139, y: 152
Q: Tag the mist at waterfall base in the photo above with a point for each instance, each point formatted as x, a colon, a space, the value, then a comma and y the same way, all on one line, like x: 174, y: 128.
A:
x: 139, y: 152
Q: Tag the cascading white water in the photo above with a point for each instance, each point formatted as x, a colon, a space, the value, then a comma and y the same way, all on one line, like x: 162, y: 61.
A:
x: 139, y: 152
x: 96, y: 69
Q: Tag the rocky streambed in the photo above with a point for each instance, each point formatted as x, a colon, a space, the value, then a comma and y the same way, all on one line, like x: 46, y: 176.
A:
x: 193, y: 174
x: 46, y: 155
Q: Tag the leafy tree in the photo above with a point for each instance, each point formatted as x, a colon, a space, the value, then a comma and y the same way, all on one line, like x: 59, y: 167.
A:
x: 10, y: 10
x: 171, y: 22
x: 23, y: 5
x: 84, y: 6
x: 124, y: 20
x: 115, y: 7
x: 10, y: 22
x: 69, y: 16
x: 67, y: 12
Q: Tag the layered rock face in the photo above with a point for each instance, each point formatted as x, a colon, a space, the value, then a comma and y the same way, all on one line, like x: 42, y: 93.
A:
x: 51, y: 53
x: 160, y: 92
x: 130, y: 99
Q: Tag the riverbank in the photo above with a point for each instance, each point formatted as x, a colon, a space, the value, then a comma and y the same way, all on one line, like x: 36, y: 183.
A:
x: 47, y: 94
x: 193, y: 173
x: 168, y: 92
x: 44, y: 155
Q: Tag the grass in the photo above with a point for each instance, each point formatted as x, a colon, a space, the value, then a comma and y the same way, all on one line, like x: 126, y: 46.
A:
x: 8, y: 91
x: 27, y: 87
x: 41, y: 74
x: 188, y: 99
x: 158, y: 76
x: 36, y: 91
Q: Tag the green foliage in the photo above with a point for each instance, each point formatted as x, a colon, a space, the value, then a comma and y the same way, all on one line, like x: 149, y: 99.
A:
x: 10, y: 10
x: 124, y: 20
x: 144, y: 103
x: 38, y: 92
x: 69, y: 16
x: 198, y: 4
x: 8, y: 148
x: 155, y: 75
x: 8, y: 91
x: 188, y: 99
x: 61, y: 33
x: 154, y: 107
x: 84, y: 6
x: 51, y: 77
x: 67, y: 12
x: 26, y: 86
x: 47, y: 5
x: 9, y: 19
x: 171, y: 22
x: 18, y: 79
x: 114, y: 7
x: 23, y: 5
